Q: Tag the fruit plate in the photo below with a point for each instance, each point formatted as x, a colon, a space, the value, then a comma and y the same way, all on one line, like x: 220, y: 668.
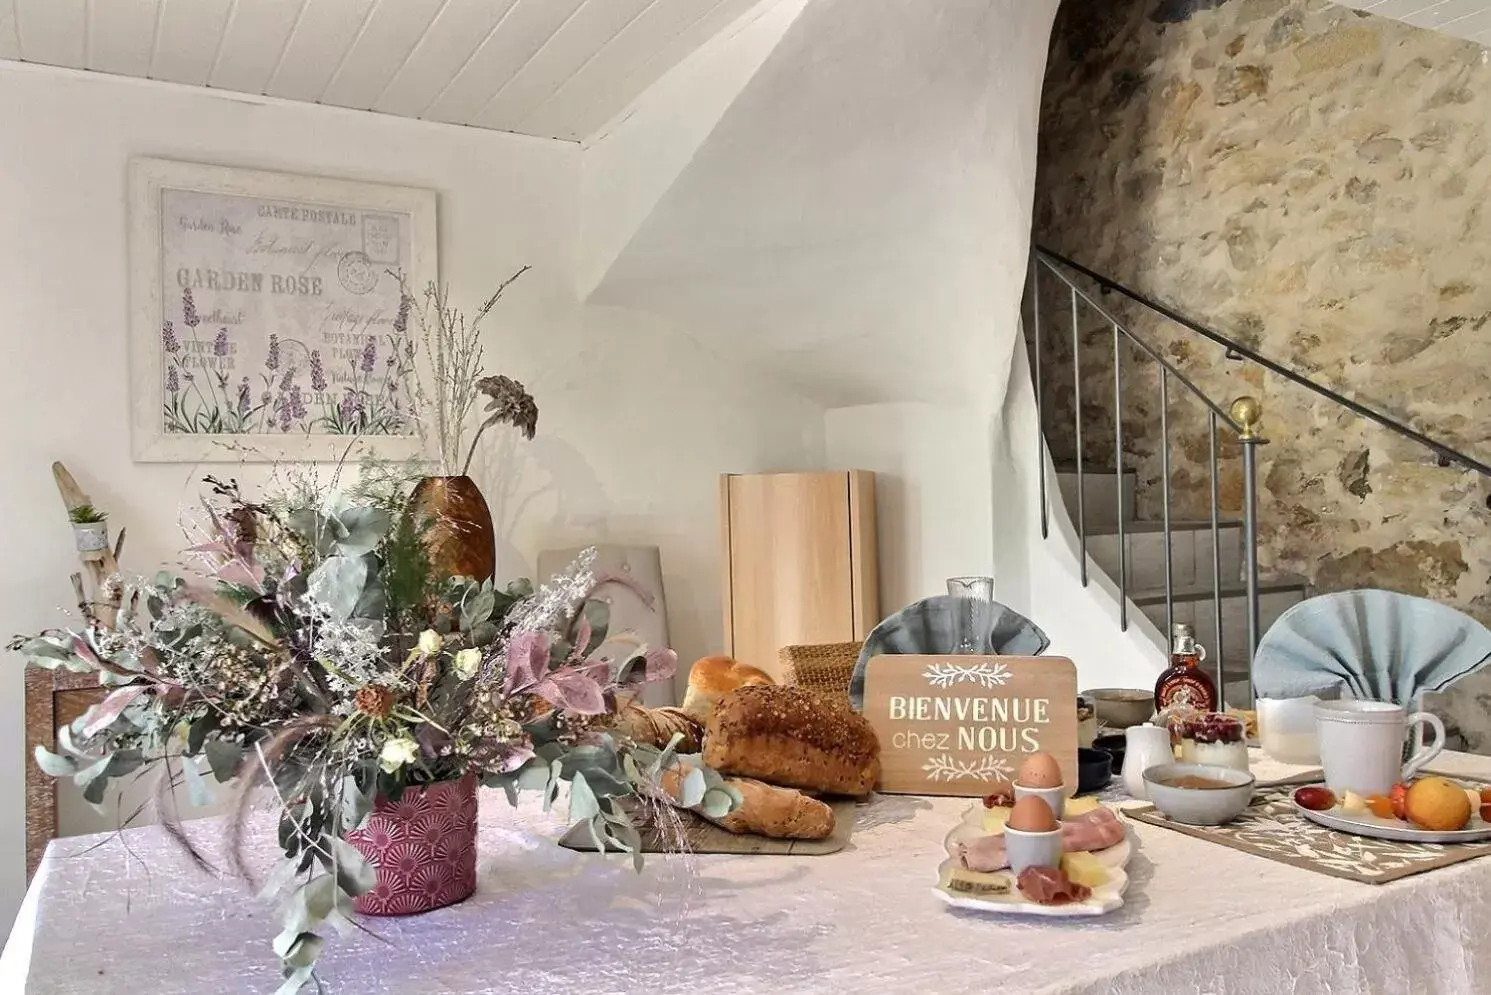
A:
x: 1367, y: 824
x: 1104, y: 899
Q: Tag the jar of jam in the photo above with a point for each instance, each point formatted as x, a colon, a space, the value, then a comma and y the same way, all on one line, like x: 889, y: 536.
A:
x: 1214, y: 738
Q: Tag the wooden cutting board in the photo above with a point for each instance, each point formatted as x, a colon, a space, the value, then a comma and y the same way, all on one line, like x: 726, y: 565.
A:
x: 706, y: 837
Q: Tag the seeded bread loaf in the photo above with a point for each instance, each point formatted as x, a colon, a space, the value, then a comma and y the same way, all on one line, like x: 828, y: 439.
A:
x: 787, y: 736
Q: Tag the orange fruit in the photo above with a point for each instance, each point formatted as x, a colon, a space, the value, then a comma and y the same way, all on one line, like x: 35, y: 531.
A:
x: 1437, y: 804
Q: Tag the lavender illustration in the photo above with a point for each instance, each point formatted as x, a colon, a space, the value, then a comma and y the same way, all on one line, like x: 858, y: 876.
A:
x: 202, y: 395
x: 318, y: 374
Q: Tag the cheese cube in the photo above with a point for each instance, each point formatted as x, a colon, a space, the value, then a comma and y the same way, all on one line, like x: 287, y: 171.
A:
x: 1083, y: 868
x: 977, y: 883
x: 1081, y: 806
x: 995, y: 818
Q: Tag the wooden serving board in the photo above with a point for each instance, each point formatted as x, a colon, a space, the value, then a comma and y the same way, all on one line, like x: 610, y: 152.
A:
x: 705, y: 837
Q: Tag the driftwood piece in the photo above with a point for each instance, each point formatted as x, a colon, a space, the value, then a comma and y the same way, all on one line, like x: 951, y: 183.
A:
x: 56, y: 697
x: 101, y: 564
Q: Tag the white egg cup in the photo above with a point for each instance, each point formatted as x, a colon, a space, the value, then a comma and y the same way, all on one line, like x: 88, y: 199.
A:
x: 1032, y: 849
x: 1054, y: 797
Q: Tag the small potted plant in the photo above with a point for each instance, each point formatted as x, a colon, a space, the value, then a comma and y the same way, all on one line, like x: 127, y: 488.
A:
x: 90, y: 528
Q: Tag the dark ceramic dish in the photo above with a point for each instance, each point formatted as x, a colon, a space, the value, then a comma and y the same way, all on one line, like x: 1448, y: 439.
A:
x: 1094, y: 770
x: 1113, y: 746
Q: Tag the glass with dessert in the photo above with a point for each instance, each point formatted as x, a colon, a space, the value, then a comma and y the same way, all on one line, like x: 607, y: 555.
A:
x: 1214, y: 738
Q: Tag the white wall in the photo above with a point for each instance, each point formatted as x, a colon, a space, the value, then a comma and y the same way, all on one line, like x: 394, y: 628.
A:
x: 630, y: 163
x: 635, y: 419
x: 1041, y: 578
x: 932, y: 491
x: 857, y: 222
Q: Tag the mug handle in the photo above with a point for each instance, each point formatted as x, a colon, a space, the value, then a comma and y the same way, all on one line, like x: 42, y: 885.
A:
x: 1421, y: 759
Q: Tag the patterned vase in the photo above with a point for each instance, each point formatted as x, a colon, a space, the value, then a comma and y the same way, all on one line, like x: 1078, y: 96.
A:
x: 461, y: 538
x: 424, y: 846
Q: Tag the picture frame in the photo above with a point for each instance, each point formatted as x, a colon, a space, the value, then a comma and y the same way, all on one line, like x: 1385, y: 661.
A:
x: 265, y: 314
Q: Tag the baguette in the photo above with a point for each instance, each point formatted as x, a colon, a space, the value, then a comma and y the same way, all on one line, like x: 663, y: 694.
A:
x: 766, y: 810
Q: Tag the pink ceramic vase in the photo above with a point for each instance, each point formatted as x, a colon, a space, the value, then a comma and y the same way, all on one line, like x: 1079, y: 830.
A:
x: 424, y: 846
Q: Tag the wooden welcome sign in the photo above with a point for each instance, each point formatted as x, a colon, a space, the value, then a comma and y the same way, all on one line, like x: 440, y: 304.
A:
x: 956, y: 725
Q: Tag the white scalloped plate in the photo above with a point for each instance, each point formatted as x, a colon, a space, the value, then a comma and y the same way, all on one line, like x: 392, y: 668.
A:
x: 1102, y: 900
x: 1367, y: 824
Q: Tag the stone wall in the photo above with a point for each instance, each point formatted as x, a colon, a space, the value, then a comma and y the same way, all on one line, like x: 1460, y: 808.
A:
x: 1311, y: 181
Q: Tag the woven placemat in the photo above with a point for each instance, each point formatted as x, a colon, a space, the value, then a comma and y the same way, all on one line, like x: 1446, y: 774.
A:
x: 1270, y: 827
x: 706, y: 837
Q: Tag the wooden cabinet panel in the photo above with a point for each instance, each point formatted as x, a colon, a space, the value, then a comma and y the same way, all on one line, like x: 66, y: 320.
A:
x: 800, y: 563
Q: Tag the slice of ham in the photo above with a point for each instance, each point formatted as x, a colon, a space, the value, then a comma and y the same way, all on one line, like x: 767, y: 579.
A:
x: 1095, y: 830
x: 1051, y: 886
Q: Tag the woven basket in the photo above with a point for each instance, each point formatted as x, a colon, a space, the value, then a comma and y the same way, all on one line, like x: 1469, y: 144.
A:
x: 824, y: 670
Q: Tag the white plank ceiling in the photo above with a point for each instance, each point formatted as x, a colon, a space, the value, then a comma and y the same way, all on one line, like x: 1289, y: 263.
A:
x: 550, y: 68
x: 1470, y: 19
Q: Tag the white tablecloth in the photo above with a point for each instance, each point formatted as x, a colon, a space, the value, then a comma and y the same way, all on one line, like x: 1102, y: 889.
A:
x: 1198, y: 917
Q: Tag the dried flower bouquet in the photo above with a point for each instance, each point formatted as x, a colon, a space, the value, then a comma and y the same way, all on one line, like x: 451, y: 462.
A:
x: 319, y: 656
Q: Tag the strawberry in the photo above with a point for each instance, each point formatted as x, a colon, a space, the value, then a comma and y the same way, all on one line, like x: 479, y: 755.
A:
x: 1399, y: 797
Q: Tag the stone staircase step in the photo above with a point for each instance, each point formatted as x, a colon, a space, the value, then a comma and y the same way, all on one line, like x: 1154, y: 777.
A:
x: 1100, y: 487
x: 1203, y: 592
x: 1194, y: 605
x: 1190, y: 551
x: 1147, y: 527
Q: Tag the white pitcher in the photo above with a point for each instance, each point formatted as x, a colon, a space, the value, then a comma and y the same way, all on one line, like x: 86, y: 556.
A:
x: 1145, y: 746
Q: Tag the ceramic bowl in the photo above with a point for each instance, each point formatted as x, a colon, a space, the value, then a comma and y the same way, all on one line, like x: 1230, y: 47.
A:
x: 1115, y: 746
x: 1094, y: 770
x: 1121, y: 707
x: 1199, y: 806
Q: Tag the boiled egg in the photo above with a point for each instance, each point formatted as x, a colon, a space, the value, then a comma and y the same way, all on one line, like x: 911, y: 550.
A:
x: 1031, y: 815
x: 1039, y: 770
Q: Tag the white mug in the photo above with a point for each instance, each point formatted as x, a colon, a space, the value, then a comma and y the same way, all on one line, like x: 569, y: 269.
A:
x: 1361, y: 744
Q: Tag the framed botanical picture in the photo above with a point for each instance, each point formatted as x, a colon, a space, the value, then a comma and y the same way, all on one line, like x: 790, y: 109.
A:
x: 265, y: 314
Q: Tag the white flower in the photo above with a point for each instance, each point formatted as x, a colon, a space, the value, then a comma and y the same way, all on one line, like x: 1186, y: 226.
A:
x: 467, y: 661
x: 397, y: 752
x: 430, y: 642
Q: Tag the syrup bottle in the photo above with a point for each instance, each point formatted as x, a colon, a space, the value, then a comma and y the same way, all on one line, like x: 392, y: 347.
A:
x: 1185, y: 685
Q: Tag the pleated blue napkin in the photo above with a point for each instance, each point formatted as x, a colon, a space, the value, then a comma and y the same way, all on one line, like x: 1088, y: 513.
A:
x: 1371, y: 645
x: 944, y: 625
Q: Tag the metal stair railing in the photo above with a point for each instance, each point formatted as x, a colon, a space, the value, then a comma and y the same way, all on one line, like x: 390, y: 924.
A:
x: 1242, y: 417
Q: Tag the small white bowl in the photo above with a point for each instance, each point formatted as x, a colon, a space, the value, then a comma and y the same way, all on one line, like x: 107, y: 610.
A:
x: 1032, y: 849
x: 1055, y: 798
x: 1199, y: 806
